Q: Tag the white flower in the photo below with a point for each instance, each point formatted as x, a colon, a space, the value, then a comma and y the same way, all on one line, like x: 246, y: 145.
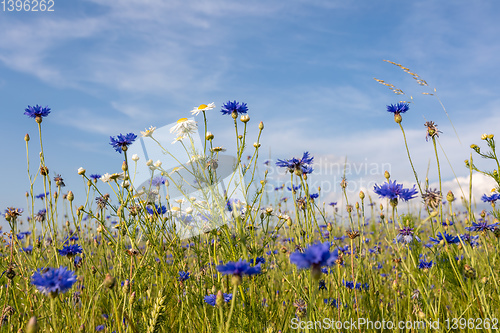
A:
x: 135, y: 157
x: 203, y: 107
x: 149, y: 162
x: 189, y: 210
x: 184, y: 127
x: 148, y: 132
x: 107, y: 177
x: 81, y: 171
x: 158, y: 164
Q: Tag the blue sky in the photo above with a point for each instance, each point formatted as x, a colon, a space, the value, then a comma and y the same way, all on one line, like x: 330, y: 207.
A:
x: 304, y: 67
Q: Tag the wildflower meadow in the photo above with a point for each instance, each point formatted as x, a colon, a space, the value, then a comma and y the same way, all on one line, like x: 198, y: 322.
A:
x: 202, y: 246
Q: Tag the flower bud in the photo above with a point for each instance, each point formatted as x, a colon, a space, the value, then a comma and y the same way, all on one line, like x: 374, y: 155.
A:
x: 124, y: 166
x: 398, y: 118
x: 70, y: 196
x: 450, y: 197
x: 387, y: 175
x: 361, y: 195
x: 32, y: 326
x: 245, y: 118
x: 256, y: 145
x: 149, y: 162
x: 81, y: 171
x: 261, y: 125
x: 135, y: 157
x: 27, y: 137
x: 219, y: 300
x: 209, y: 136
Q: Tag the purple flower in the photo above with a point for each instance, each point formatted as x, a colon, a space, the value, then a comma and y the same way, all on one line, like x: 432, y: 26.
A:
x: 37, y: 111
x: 315, y: 255
x: 405, y: 235
x: 299, y: 166
x: 234, y: 108
x: 239, y: 268
x: 392, y: 191
x: 157, y: 181
x: 52, y: 281
x: 121, y: 142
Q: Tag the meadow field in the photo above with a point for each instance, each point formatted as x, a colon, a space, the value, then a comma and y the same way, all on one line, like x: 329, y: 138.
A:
x: 235, y: 258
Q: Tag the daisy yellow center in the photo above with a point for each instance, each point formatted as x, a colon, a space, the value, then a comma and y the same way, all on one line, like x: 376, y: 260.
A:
x: 203, y: 106
x: 181, y: 120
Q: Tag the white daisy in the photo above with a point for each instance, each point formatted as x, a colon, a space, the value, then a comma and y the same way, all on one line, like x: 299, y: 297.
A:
x: 184, y: 127
x: 148, y: 132
x: 203, y: 107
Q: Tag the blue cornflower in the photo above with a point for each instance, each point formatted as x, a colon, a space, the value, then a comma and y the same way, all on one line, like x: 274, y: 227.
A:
x: 234, y: 108
x: 211, y: 299
x: 299, y: 166
x: 315, y: 256
x: 37, y: 111
x: 447, y: 238
x: 100, y: 328
x: 28, y: 249
x: 331, y: 302
x: 157, y: 210
x: 322, y: 285
x: 52, y: 281
x: 491, y: 199
x: 393, y: 191
x: 121, y: 142
x: 183, y: 276
x: 482, y: 226
x: 21, y: 235
x: 422, y: 264
x: 314, y: 196
x: 95, y: 177
x: 333, y: 204
x: 258, y: 260
x: 70, y: 250
x: 359, y: 286
x: 294, y: 188
x: 157, y: 181
x: 41, y: 195
x: 398, y: 108
x: 239, y: 268
x: 405, y: 235
x: 472, y: 240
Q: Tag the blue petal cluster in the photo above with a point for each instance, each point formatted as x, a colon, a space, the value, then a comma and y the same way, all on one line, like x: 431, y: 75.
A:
x: 240, y: 267
x: 398, y: 108
x: 183, y: 276
x: 422, y: 264
x: 491, y: 199
x: 37, y: 111
x: 122, y: 141
x: 70, y: 250
x: 446, y: 237
x: 314, y: 255
x: 53, y: 280
x: 300, y: 166
x: 211, y: 299
x: 392, y: 190
x: 482, y: 226
x: 230, y: 107
x: 156, y: 210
